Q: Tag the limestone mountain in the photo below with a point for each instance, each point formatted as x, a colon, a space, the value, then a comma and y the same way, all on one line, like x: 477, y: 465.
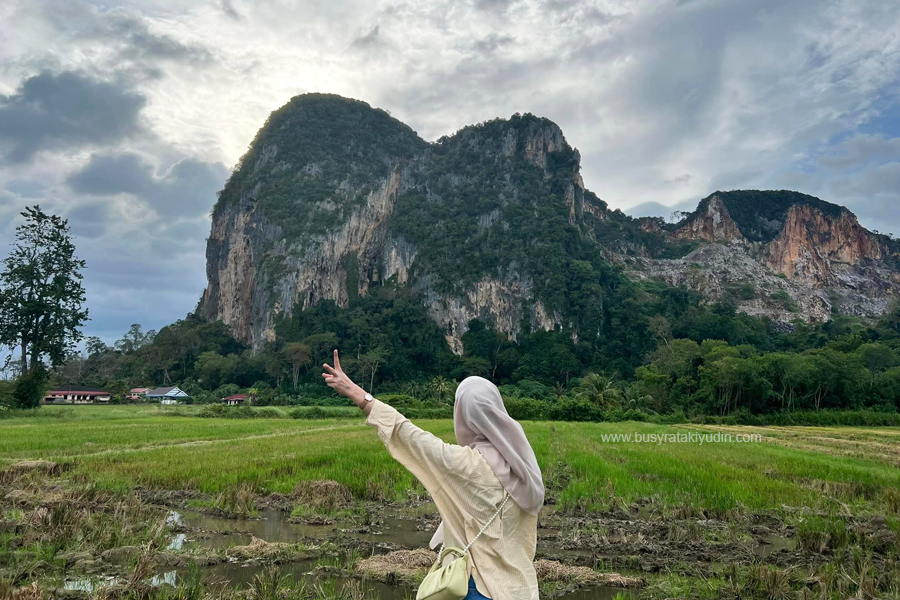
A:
x: 335, y: 197
x: 805, y: 258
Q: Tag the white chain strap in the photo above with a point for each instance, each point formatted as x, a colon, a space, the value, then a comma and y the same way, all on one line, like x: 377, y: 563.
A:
x: 491, y: 520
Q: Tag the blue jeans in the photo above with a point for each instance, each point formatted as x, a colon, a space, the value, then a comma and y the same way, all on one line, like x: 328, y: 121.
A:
x: 474, y: 594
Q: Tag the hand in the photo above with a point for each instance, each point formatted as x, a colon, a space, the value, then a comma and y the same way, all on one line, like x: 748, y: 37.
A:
x: 343, y: 385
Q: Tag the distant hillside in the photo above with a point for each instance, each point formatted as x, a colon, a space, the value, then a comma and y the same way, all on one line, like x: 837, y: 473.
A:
x: 335, y: 199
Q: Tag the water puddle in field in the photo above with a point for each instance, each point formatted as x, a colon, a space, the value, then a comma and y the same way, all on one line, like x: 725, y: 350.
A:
x: 177, y: 542
x: 399, y: 528
x: 770, y: 544
x: 275, y: 526
x: 91, y: 585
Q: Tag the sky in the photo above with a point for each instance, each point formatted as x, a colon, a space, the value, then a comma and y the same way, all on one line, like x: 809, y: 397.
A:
x: 126, y: 118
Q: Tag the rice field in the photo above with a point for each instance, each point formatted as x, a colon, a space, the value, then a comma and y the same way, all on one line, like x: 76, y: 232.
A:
x: 317, y: 509
x: 122, y: 447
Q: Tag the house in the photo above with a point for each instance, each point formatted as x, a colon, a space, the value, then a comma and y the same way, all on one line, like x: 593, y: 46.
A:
x: 235, y: 399
x: 137, y: 394
x: 166, y: 395
x: 75, y: 394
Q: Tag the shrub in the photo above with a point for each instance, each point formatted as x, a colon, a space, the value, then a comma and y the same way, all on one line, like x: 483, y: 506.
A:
x: 534, y: 389
x: 30, y: 388
x: 444, y: 412
x: 317, y: 412
x: 211, y: 411
x: 527, y: 409
x: 571, y: 409
x: 268, y: 412
x: 400, y: 400
x: 857, y: 418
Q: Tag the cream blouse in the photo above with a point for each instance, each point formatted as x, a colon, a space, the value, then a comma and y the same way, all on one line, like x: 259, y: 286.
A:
x: 467, y: 494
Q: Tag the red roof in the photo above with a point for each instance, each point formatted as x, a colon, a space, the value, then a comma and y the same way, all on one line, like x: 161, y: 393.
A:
x: 236, y: 397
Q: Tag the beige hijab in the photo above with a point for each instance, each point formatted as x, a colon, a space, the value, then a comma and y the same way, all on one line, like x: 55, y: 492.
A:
x: 481, y: 422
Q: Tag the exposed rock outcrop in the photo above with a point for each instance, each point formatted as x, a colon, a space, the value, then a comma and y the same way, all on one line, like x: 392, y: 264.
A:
x: 819, y: 264
x: 811, y: 242
x: 711, y: 222
x: 335, y: 198
x: 257, y: 270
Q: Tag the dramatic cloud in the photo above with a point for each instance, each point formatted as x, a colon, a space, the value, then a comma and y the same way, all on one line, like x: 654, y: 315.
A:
x: 185, y: 189
x: 64, y: 111
x: 125, y: 117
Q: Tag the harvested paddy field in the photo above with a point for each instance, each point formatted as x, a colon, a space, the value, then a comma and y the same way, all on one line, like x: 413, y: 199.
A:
x: 140, y: 502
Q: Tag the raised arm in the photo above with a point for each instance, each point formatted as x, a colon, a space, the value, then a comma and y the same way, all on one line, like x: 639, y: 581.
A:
x: 343, y: 385
x: 426, y: 456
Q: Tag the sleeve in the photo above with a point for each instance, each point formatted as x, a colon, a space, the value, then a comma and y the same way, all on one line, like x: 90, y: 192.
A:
x: 426, y: 456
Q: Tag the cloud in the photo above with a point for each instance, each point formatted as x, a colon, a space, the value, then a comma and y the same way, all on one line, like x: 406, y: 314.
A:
x: 656, y: 209
x: 64, y: 111
x: 187, y: 188
x: 369, y: 40
x: 89, y: 220
x: 229, y: 9
x: 127, y: 32
x: 859, y: 150
x: 666, y: 101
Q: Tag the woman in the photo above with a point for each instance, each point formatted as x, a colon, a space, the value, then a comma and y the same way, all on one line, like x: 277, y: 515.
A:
x: 470, y: 481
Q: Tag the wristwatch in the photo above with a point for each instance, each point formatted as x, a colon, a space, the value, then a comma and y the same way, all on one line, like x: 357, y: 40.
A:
x: 368, y: 397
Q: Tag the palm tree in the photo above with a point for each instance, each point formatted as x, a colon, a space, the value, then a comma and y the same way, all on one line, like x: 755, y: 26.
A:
x: 600, y: 390
x: 413, y: 388
x: 559, y: 390
x: 440, y: 386
x: 638, y: 401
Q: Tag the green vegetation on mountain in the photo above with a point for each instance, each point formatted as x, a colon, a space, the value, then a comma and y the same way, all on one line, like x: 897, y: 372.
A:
x: 320, y: 141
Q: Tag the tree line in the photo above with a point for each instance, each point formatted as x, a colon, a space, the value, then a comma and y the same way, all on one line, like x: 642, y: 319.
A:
x: 658, y: 350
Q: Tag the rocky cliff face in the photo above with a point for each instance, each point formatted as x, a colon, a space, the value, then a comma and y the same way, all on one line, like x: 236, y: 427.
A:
x: 258, y: 269
x: 335, y: 197
x: 812, y: 242
x: 820, y: 262
x: 711, y: 223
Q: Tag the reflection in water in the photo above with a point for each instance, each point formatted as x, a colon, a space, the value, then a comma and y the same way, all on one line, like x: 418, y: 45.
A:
x: 177, y: 542
x: 91, y: 585
x: 169, y: 578
x: 275, y: 526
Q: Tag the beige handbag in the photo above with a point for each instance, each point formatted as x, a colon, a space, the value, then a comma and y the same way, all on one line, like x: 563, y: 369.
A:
x: 451, y: 581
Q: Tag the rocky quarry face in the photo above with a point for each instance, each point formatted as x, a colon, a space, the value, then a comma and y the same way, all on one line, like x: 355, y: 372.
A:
x: 325, y: 204
x: 817, y: 266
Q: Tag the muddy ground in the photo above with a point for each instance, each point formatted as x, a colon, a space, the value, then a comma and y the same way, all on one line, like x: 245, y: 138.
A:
x: 65, y: 539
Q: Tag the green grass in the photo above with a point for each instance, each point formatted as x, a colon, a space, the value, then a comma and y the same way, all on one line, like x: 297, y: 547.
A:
x: 120, y: 447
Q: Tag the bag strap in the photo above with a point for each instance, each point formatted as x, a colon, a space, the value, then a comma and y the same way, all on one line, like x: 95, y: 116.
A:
x: 491, y: 520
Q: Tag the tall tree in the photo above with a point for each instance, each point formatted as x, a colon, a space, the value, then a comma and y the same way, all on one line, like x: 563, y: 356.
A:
x: 134, y: 339
x: 41, y: 294
x: 298, y: 354
x: 371, y: 360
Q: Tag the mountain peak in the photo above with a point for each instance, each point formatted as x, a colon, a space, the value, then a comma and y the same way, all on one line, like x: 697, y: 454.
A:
x: 760, y: 214
x: 335, y: 199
